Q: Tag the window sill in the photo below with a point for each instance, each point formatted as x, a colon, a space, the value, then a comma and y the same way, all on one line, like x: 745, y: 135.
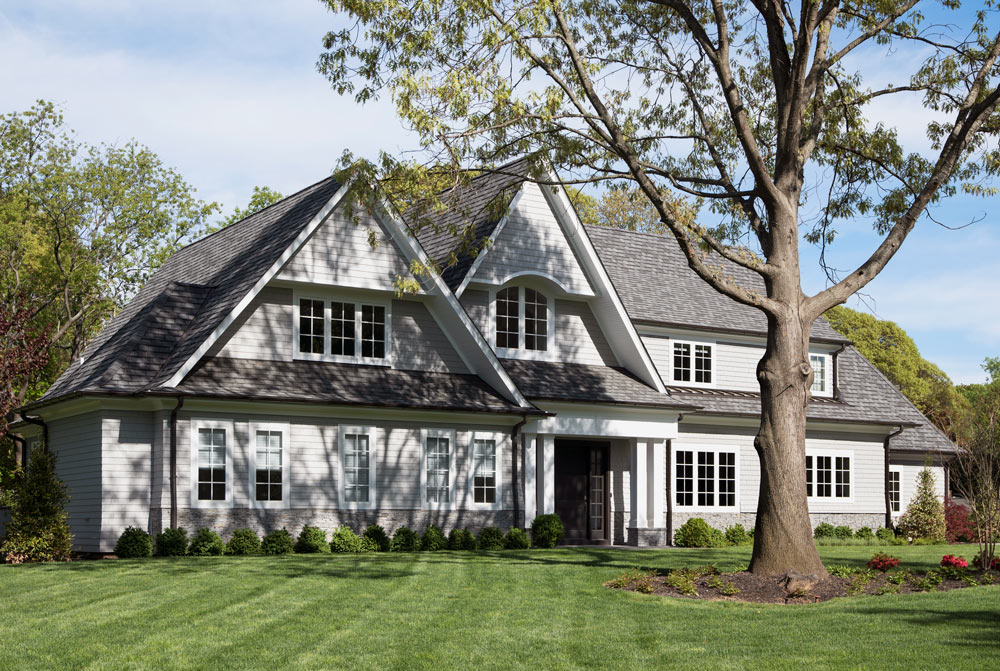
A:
x: 327, y: 358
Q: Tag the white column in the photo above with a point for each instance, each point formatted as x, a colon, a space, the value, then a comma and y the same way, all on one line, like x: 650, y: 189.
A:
x: 656, y: 463
x: 639, y: 481
x: 546, y: 474
x: 530, y: 478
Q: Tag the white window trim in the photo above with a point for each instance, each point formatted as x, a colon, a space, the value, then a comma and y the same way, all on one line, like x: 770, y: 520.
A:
x: 833, y: 454
x: 550, y: 353
x: 369, y: 431
x: 902, y: 508
x: 828, y: 373
x: 437, y: 433
x: 202, y: 423
x: 692, y: 383
x: 283, y: 429
x: 695, y: 508
x: 470, y: 497
x: 340, y: 358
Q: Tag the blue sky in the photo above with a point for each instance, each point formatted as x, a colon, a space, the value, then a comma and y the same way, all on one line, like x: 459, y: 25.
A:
x: 227, y: 93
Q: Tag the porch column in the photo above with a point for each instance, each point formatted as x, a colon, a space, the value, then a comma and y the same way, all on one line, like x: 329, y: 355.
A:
x: 639, y: 484
x: 656, y: 462
x: 546, y: 474
x: 530, y: 478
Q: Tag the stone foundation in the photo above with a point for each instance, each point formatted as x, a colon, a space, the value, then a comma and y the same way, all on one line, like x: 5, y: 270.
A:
x: 645, y: 538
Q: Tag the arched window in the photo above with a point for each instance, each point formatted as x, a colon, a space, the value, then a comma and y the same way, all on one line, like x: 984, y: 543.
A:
x: 522, y: 319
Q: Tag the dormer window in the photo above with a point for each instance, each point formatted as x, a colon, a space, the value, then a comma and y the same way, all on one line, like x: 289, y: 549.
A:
x: 818, y: 363
x: 339, y: 330
x: 523, y: 319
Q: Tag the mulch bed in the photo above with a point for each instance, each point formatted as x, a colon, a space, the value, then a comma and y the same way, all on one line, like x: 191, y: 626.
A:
x: 707, y: 584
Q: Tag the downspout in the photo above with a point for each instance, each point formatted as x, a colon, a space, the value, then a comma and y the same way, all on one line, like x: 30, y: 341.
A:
x: 836, y: 374
x: 173, y: 461
x: 670, y: 495
x: 514, y: 433
x: 885, y: 486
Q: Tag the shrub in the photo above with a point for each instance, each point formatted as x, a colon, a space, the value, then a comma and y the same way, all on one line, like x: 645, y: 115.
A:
x: 172, y: 542
x: 824, y: 530
x: 843, y: 532
x: 206, y: 543
x: 405, y: 540
x: 311, y: 540
x: 959, y: 527
x: 516, y: 539
x: 368, y: 545
x: 134, y: 543
x: 737, y: 535
x: 377, y: 535
x: 865, y: 533
x: 954, y: 562
x: 924, y: 517
x: 547, y: 531
x: 345, y: 540
x: 461, y: 539
x: 433, y: 539
x: 979, y: 562
x: 37, y: 529
x: 882, y: 562
x: 243, y: 542
x: 696, y: 533
x: 278, y: 542
x: 886, y: 535
x: 491, y: 538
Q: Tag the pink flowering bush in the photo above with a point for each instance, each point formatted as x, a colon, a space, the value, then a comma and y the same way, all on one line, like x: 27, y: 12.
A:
x: 883, y: 562
x: 978, y: 562
x: 954, y: 562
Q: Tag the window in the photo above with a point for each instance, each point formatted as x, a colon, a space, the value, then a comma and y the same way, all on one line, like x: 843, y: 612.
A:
x: 894, y: 491
x: 523, y: 319
x: 705, y: 478
x: 818, y: 363
x: 337, y: 330
x: 269, y: 464
x: 357, y: 467
x: 438, y: 468
x: 692, y: 363
x: 828, y: 476
x: 211, y: 459
x: 485, y: 484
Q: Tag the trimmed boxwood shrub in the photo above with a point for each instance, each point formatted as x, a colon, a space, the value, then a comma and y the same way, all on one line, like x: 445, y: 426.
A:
x: 405, y: 540
x: 278, y: 542
x: 865, y: 534
x: 243, y: 542
x: 516, y: 539
x: 886, y: 535
x: 843, y: 532
x: 311, y: 540
x: 172, y: 543
x: 461, y: 539
x: 738, y: 535
x: 824, y: 530
x: 696, y: 533
x: 433, y: 539
x: 378, y: 536
x: 206, y: 543
x: 133, y: 543
x: 547, y: 531
x: 345, y: 540
x: 491, y: 538
x: 368, y: 545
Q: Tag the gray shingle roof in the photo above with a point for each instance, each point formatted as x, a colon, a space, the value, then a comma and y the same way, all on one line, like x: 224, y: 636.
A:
x: 342, y: 384
x: 657, y: 285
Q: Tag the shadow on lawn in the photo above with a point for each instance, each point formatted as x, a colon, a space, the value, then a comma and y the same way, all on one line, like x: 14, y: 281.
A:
x: 975, y: 627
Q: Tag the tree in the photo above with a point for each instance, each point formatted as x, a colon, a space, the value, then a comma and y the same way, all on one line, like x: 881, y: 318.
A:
x: 23, y: 354
x: 924, y: 517
x: 82, y: 228
x: 38, y: 529
x: 262, y: 197
x: 747, y: 107
x: 896, y: 356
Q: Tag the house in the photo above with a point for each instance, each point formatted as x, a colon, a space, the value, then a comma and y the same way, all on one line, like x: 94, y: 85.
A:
x: 270, y: 375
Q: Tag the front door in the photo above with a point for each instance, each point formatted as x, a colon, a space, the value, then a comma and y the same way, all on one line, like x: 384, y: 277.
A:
x: 581, y: 489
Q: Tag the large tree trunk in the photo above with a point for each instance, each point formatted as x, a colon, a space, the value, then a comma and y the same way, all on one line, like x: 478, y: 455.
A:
x: 783, y: 535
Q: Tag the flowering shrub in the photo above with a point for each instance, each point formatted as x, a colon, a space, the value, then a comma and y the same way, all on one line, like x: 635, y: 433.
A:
x: 958, y: 523
x: 883, y: 562
x: 954, y: 562
x: 978, y: 562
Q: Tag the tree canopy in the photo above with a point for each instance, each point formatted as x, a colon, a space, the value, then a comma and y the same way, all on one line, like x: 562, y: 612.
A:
x: 261, y: 197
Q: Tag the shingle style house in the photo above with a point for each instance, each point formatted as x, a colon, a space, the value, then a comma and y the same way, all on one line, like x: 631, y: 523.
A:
x: 269, y: 375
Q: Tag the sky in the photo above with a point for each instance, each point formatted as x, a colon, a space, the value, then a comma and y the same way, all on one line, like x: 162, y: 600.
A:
x: 227, y: 93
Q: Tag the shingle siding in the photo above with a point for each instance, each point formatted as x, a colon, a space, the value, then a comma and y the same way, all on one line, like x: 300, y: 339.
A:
x: 418, y: 343
x: 263, y: 331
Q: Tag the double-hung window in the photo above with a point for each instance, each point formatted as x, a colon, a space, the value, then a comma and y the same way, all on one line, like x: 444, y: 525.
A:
x: 357, y: 466
x: 828, y: 475
x: 693, y: 363
x: 211, y: 463
x: 339, y: 330
x: 894, y: 491
x: 522, y: 320
x: 819, y: 365
x: 705, y: 478
x: 269, y: 465
x: 485, y: 470
x: 437, y: 473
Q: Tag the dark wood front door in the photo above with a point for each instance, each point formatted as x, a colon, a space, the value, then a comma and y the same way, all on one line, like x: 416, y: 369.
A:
x: 581, y: 489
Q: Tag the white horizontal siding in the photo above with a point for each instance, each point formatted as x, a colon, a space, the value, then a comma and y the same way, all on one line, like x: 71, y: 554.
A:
x: 578, y: 337
x: 76, y: 443
x: 418, y: 343
x: 477, y: 305
x: 263, y: 331
x: 127, y: 442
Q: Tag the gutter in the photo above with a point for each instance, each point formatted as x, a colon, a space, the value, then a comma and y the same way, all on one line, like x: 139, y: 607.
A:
x: 173, y: 461
x: 885, y: 486
x: 514, y: 432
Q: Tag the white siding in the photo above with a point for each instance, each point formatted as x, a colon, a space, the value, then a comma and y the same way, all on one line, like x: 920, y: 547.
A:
x: 477, y: 305
x: 578, y: 336
x: 418, y: 343
x: 263, y: 331
x: 76, y: 442
x: 533, y: 241
x: 127, y: 442
x: 339, y: 254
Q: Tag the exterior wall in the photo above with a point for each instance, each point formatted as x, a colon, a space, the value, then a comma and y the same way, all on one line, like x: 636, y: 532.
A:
x: 620, y: 491
x: 264, y: 331
x: 533, y: 241
x: 477, y: 304
x: 126, y: 449
x: 909, y: 471
x: 76, y: 442
x: 418, y: 343
x: 578, y: 337
x: 339, y: 254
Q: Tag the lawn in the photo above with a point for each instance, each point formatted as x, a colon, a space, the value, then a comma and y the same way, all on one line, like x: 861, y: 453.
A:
x: 534, y: 609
